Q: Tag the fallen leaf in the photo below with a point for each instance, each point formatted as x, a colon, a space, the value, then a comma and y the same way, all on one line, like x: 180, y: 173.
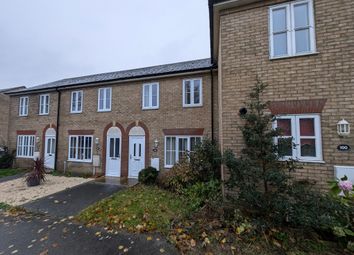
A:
x: 193, y: 243
x: 120, y: 247
x: 162, y: 250
x: 149, y: 238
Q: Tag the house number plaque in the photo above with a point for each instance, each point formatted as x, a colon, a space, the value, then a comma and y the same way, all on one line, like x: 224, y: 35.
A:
x: 343, y: 147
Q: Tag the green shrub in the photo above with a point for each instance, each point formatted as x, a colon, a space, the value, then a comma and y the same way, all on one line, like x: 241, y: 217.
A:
x: 148, y: 176
x: 7, y: 159
x: 206, y: 160
x: 266, y: 192
x: 200, y: 193
x: 180, y: 176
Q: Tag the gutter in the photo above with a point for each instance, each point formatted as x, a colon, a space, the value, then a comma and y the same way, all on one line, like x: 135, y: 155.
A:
x: 57, y: 131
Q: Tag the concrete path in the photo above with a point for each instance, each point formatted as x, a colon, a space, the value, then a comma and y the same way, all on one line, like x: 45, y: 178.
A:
x: 71, y: 201
x: 42, y: 235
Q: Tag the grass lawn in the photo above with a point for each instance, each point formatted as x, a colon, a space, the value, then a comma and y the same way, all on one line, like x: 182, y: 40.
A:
x: 138, y: 209
x: 10, y: 172
x: 4, y: 206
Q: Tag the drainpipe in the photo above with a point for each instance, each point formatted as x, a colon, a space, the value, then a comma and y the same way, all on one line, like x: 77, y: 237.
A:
x: 57, y: 133
x: 212, y: 104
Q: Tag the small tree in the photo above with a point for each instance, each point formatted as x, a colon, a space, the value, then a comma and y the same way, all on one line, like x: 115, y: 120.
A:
x: 258, y: 174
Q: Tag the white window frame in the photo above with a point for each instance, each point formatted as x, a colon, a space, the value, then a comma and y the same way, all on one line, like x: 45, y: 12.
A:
x: 177, y: 146
x: 150, y: 106
x: 104, y: 109
x: 25, y: 151
x: 192, y: 104
x: 44, y: 100
x: 23, y: 106
x: 291, y: 39
x: 76, y: 159
x: 74, y: 108
x: 295, y: 130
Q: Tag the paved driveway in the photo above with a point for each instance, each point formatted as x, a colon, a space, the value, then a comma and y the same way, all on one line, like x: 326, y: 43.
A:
x: 51, y: 230
x: 71, y: 201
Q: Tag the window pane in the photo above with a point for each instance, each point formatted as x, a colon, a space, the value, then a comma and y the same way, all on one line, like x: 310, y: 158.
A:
x: 154, y: 95
x: 195, y: 141
x: 301, y: 15
x: 146, y: 96
x: 285, y: 147
x: 280, y: 44
x: 182, y: 148
x: 196, y: 92
x: 302, y: 38
x: 111, y: 147
x: 308, y: 147
x: 101, y: 100
x: 53, y: 146
x: 285, y: 126
x: 279, y: 20
x: 170, y: 151
x: 307, y: 127
x: 117, y: 152
x: 79, y: 101
x: 187, y: 90
x: 108, y: 99
x: 73, y: 102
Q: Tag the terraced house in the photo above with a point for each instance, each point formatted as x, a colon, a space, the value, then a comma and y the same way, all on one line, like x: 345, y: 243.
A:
x: 118, y: 123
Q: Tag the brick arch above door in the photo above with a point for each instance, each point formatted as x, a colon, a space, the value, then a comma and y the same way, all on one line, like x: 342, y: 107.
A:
x: 43, y: 137
x: 124, y: 160
x: 147, y: 139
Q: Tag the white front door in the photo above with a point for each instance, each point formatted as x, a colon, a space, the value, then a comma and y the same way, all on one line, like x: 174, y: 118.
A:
x: 49, y: 153
x: 136, y: 155
x: 113, y: 153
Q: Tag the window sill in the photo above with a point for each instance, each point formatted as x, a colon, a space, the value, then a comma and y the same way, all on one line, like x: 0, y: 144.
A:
x: 75, y: 112
x: 148, y: 109
x: 294, y: 56
x: 43, y: 114
x: 79, y: 161
x: 24, y: 157
x: 104, y: 110
x: 22, y: 115
x: 193, y: 106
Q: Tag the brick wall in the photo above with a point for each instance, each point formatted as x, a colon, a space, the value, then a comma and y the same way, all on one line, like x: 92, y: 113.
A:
x: 244, y: 55
x: 126, y: 113
x: 4, y: 118
x: 32, y: 122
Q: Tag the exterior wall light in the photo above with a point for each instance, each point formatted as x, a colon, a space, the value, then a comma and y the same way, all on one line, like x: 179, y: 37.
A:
x: 97, y: 140
x: 37, y: 139
x: 156, y: 145
x: 343, y: 128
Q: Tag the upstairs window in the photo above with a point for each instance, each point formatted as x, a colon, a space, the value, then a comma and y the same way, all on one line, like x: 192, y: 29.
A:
x: 151, y: 96
x: 104, y: 99
x: 76, y: 101
x: 23, y: 107
x: 25, y: 146
x: 192, y: 93
x: 292, y: 30
x: 301, y: 137
x: 44, y: 104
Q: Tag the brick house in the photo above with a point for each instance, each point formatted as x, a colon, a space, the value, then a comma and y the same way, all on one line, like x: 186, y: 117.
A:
x: 115, y: 123
x: 304, y: 50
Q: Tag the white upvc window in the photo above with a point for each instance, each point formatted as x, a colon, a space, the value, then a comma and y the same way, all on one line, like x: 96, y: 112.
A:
x: 76, y: 101
x: 192, y: 92
x: 301, y: 137
x: 292, y: 29
x: 104, y: 99
x: 23, y: 106
x: 44, y: 102
x: 151, y: 96
x: 80, y: 148
x: 25, y: 146
x: 177, y: 148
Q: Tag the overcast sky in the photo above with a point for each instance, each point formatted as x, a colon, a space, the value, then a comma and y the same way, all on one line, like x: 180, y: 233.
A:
x: 46, y: 40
